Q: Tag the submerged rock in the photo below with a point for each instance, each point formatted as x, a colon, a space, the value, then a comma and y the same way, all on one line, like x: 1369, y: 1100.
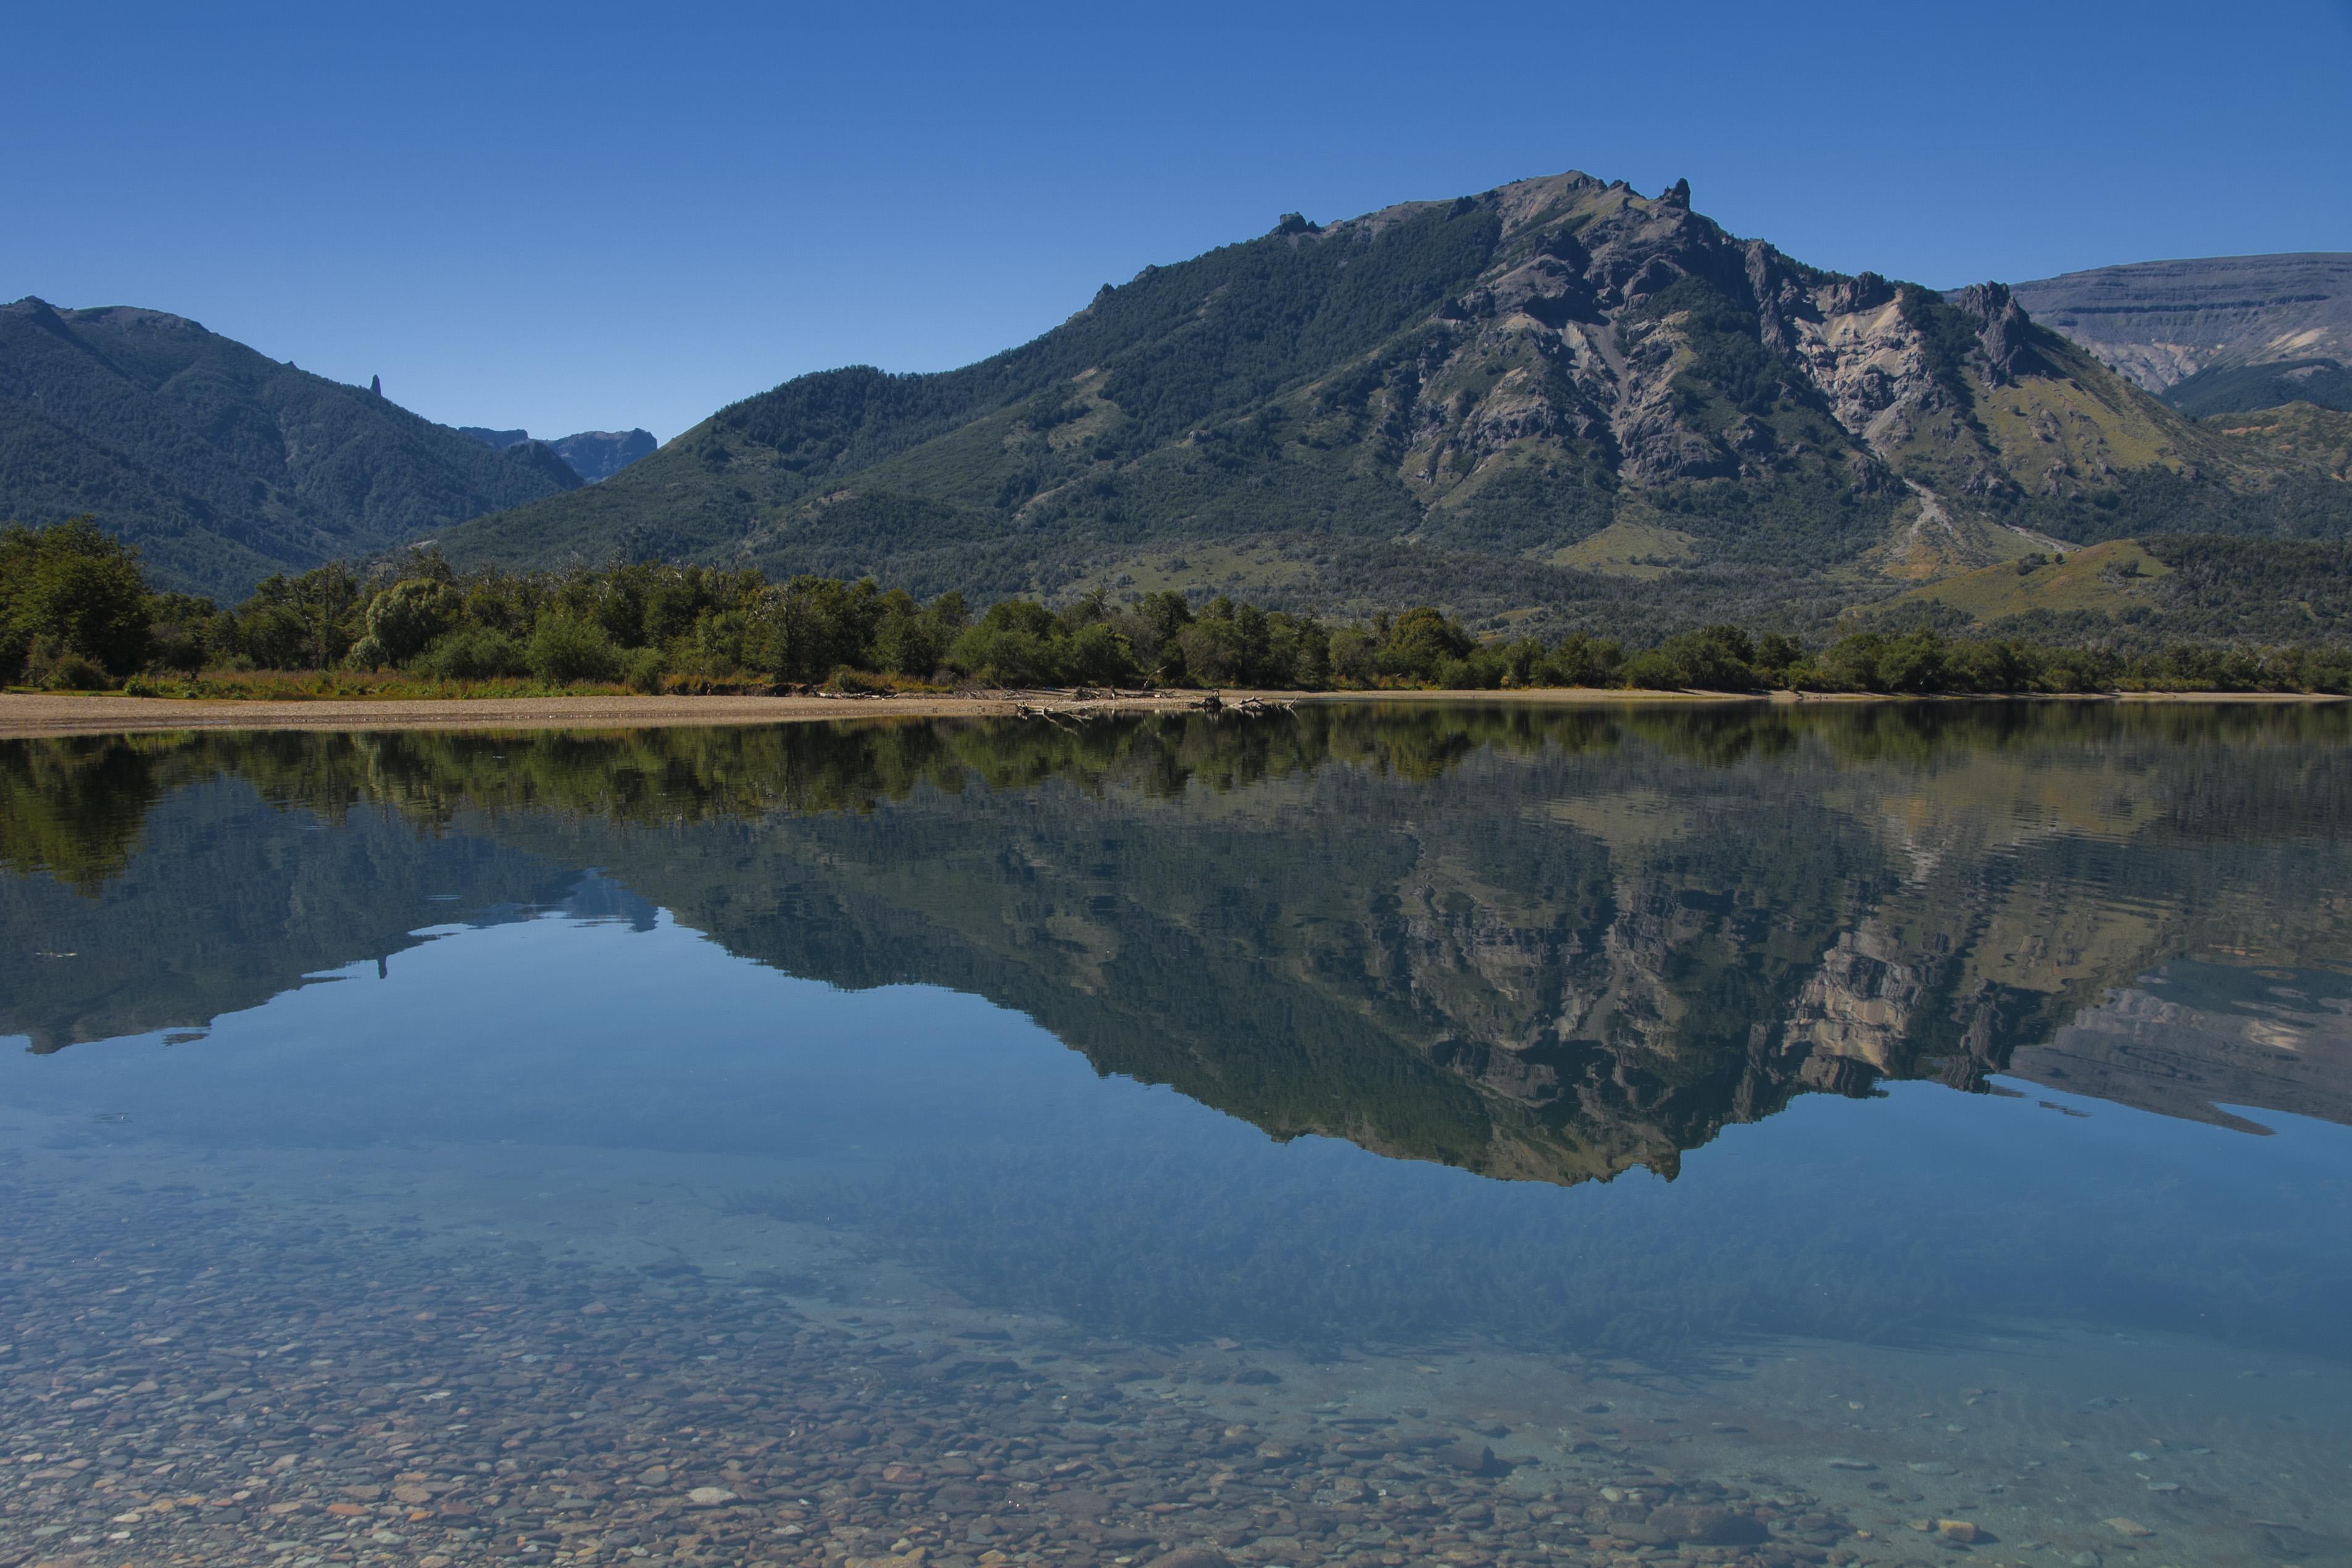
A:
x: 1700, y: 1525
x: 1471, y: 1459
x: 1192, y: 1557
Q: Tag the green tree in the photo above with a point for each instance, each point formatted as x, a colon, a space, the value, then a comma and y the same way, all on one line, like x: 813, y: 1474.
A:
x: 71, y: 591
x: 409, y: 615
x: 303, y: 622
x: 1099, y: 656
x: 813, y: 625
x: 179, y: 628
x: 1711, y: 659
x: 1418, y: 642
x: 1583, y: 660
x: 1013, y: 644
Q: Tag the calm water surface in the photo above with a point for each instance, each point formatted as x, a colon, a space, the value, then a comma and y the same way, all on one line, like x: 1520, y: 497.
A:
x: 1460, y: 1138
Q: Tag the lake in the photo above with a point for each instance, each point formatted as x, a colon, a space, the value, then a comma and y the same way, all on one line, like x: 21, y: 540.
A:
x: 1372, y: 1136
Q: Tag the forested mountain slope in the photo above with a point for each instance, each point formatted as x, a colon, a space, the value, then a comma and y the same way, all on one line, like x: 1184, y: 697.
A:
x: 1509, y: 401
x: 222, y: 465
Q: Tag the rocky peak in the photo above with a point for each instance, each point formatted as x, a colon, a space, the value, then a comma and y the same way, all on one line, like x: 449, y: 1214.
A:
x: 2003, y: 331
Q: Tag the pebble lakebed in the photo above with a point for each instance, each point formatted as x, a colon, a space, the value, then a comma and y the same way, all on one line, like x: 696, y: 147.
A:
x: 315, y: 1397
x: 196, y: 1375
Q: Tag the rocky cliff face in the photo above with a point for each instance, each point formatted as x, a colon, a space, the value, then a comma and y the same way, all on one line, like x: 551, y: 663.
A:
x: 1679, y: 351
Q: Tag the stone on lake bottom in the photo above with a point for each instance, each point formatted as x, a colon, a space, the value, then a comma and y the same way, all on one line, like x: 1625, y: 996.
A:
x: 1471, y: 1459
x: 1700, y: 1525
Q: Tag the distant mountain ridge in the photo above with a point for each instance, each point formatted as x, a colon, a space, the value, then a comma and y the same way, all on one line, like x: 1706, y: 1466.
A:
x: 221, y: 465
x: 1556, y: 395
x: 2215, y: 335
x: 592, y: 455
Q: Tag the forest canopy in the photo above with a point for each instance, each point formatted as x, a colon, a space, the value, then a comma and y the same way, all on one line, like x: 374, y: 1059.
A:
x: 76, y: 615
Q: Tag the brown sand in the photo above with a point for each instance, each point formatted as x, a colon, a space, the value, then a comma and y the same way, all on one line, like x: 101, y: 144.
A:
x: 25, y: 715
x: 30, y: 714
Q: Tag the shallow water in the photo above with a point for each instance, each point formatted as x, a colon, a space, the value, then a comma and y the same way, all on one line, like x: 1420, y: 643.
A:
x: 1359, y: 1137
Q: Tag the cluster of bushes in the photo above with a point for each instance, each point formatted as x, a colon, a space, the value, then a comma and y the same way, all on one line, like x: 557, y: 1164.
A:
x: 74, y: 614
x: 1924, y: 662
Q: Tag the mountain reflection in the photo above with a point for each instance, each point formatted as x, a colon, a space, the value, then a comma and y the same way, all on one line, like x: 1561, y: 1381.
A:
x: 1541, y: 944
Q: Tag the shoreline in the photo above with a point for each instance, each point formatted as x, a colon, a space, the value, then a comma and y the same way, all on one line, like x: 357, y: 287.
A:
x: 26, y: 715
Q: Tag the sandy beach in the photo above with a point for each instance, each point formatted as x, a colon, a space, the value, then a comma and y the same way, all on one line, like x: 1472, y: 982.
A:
x: 27, y: 715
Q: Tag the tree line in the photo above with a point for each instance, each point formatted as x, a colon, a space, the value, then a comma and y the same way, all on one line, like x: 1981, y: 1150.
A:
x: 76, y: 615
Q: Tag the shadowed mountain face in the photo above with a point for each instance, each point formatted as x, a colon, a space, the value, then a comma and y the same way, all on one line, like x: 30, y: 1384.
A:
x: 222, y: 465
x: 1543, y: 945
x: 600, y: 454
x: 1496, y: 401
x: 592, y: 455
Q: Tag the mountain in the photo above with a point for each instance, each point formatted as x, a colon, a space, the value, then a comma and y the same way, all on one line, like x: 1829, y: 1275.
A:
x: 600, y: 454
x: 2219, y: 335
x: 592, y: 455
x: 2234, y: 389
x: 1559, y: 393
x: 222, y: 465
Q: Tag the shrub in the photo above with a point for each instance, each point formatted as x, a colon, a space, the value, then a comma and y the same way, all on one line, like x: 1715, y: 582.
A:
x: 565, y: 649
x: 846, y: 679
x: 643, y: 673
x: 473, y: 654
x: 54, y: 666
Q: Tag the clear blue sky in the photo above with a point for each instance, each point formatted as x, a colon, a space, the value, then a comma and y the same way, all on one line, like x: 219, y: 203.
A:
x: 593, y: 218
